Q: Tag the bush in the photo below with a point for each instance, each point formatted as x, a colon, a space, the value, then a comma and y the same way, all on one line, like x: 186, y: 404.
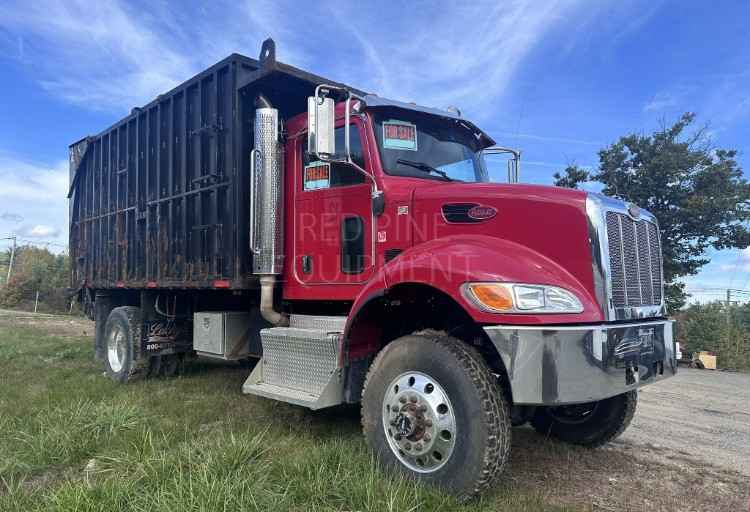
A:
x: 714, y: 328
x: 37, y: 270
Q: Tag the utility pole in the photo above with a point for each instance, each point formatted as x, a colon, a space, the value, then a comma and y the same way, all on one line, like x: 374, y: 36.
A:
x: 12, y: 257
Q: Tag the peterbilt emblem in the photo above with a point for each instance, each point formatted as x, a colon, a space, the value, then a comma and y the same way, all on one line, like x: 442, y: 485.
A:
x: 481, y: 212
x: 634, y: 211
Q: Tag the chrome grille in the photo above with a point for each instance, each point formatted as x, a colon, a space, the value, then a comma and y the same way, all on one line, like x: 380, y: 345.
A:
x: 635, y: 261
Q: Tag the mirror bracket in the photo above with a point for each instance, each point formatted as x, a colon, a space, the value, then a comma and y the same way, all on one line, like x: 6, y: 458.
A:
x: 514, y: 164
x: 321, y: 114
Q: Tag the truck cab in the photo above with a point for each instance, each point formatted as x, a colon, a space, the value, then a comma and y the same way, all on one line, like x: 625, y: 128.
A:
x: 374, y: 258
x: 399, y: 230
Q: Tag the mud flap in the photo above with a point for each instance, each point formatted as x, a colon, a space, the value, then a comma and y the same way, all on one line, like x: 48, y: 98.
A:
x: 102, y: 309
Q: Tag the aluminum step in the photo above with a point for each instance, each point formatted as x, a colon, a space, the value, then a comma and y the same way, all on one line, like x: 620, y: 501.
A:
x: 282, y: 394
x: 300, y: 363
x: 321, y: 323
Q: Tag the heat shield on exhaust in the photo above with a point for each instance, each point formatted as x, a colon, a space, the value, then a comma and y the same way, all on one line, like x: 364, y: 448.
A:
x: 268, y: 214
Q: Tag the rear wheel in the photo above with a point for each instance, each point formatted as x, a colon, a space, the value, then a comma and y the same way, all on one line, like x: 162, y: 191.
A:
x: 122, y: 336
x: 432, y: 410
x: 172, y: 364
x: 591, y: 424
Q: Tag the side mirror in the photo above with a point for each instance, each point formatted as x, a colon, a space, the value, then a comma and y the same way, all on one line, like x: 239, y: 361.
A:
x: 321, y: 139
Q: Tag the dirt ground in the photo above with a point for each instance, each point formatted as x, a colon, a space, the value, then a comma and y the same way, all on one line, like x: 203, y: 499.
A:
x: 61, y: 325
x: 702, y: 415
x: 688, y: 447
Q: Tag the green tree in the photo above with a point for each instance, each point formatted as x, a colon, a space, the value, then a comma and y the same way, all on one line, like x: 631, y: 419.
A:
x: 734, y: 349
x: 4, y: 261
x: 701, y: 327
x: 713, y: 328
x: 572, y: 177
x: 697, y: 192
x: 36, y: 269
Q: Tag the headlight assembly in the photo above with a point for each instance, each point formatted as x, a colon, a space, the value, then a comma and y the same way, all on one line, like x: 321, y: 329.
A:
x: 522, y: 298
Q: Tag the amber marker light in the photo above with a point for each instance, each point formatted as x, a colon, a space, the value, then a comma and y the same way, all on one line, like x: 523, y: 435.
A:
x: 491, y: 296
x: 522, y: 298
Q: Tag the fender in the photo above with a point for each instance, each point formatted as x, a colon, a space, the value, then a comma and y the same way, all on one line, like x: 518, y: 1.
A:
x: 449, y: 262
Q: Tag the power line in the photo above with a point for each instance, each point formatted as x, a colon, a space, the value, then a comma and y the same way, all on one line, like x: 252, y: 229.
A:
x: 42, y: 242
x: 38, y: 243
x: 727, y: 296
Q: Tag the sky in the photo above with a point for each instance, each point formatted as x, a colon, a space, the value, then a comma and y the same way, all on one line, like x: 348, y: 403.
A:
x: 557, y: 79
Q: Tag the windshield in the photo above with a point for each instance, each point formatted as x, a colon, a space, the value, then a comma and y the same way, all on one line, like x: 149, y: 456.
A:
x: 425, y: 146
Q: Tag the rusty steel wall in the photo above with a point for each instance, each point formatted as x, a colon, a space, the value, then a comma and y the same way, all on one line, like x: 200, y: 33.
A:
x: 159, y: 199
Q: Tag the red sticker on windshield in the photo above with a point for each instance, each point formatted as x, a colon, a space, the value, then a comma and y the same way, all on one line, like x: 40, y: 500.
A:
x: 317, y: 176
x: 399, y: 135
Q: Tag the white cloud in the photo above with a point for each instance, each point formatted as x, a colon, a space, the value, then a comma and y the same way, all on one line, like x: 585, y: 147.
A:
x: 109, y: 55
x: 39, y: 231
x: 99, y: 54
x: 11, y: 217
x: 660, y: 101
x: 23, y: 181
x: 35, y: 193
x: 464, y: 55
x: 735, y: 267
x: 741, y: 261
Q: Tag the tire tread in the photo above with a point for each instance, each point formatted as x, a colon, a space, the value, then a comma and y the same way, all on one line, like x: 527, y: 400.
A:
x: 496, y: 414
x: 603, y: 434
x: 138, y: 366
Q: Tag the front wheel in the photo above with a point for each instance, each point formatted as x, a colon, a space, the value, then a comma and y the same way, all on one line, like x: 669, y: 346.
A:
x: 591, y: 424
x: 432, y: 409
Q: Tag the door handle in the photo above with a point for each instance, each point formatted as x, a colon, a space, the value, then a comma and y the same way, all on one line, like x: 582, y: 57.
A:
x: 306, y: 264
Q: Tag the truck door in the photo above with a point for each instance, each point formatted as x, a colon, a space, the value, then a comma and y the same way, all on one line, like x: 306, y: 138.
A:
x: 333, y: 239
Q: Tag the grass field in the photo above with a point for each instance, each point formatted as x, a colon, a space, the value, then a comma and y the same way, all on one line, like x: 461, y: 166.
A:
x: 72, y: 440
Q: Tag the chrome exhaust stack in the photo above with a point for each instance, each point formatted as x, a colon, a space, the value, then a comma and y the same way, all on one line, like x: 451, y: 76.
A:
x: 266, y: 206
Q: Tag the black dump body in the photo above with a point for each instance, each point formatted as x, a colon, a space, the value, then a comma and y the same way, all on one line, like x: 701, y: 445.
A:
x: 159, y: 199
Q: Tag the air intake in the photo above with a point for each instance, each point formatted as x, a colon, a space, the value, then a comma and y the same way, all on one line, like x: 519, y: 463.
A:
x: 458, y: 213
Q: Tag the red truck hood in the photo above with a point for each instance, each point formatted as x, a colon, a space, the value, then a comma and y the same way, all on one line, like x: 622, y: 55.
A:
x: 494, y: 191
x: 549, y: 220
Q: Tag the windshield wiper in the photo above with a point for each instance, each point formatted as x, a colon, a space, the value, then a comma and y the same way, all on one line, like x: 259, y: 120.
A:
x: 425, y: 168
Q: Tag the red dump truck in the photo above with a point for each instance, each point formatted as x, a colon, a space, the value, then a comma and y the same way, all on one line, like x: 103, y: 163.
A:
x: 357, y: 250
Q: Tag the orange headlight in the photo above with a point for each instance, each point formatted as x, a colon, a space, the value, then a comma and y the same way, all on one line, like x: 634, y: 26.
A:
x: 522, y: 298
x: 493, y: 296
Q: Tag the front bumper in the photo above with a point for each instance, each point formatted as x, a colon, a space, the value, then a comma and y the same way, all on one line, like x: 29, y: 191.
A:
x: 577, y: 364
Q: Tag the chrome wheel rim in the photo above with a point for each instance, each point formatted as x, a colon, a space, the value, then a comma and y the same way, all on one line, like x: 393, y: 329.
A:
x: 419, y: 422
x: 116, y: 348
